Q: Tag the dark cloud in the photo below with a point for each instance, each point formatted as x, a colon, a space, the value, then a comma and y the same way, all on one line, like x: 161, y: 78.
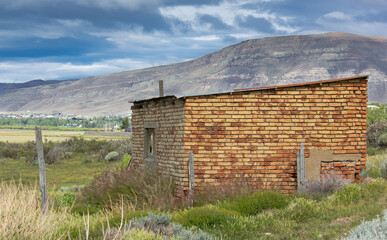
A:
x: 259, y: 24
x: 216, y: 24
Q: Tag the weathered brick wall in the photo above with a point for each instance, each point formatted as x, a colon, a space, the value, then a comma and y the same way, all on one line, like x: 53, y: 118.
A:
x: 255, y: 135
x: 168, y: 114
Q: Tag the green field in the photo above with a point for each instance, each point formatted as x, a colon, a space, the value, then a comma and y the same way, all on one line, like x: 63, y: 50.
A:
x: 70, y: 172
x: 76, y: 170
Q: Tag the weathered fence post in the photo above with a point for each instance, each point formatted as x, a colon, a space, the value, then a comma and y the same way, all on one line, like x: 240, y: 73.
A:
x: 42, y: 169
x: 301, y: 169
x: 191, y: 177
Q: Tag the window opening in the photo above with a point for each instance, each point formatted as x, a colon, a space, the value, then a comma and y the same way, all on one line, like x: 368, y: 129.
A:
x: 150, y: 142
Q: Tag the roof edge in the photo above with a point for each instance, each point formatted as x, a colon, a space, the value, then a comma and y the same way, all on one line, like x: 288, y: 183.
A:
x: 303, y: 84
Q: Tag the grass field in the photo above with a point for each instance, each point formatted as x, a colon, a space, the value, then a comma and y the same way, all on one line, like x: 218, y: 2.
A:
x: 73, y: 171
x: 24, y: 135
x: 76, y: 170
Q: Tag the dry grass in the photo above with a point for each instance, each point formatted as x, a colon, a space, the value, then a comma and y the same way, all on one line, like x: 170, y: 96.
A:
x: 21, y: 216
x: 25, y: 135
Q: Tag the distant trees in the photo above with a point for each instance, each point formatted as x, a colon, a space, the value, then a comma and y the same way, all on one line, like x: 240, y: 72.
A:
x: 125, y: 123
x: 95, y: 122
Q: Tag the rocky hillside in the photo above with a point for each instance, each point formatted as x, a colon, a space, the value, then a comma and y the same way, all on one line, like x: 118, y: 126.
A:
x: 252, y: 63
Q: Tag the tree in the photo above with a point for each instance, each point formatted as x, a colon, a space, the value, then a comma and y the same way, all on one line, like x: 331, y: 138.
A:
x: 125, y: 123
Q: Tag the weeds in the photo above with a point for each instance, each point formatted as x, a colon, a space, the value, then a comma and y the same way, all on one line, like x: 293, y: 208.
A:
x: 21, y: 216
x: 143, y: 188
x: 328, y: 183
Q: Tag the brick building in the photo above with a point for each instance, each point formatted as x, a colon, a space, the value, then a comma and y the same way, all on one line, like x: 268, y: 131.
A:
x: 255, y: 133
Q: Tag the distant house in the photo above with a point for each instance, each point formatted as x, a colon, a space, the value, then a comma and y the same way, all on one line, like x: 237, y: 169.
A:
x: 373, y: 107
x: 254, y: 134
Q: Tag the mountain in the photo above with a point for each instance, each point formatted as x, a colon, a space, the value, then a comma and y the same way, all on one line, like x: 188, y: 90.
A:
x: 252, y: 63
x: 4, y: 87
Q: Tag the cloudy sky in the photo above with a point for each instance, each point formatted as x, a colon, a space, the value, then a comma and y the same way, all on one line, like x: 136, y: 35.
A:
x: 64, y: 39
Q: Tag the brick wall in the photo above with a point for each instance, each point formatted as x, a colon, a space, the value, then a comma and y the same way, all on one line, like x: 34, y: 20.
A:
x: 168, y: 116
x: 255, y: 135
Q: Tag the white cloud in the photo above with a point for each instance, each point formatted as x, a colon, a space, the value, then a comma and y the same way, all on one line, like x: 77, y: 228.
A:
x: 104, y: 4
x: 133, y: 37
x: 228, y: 12
x: 118, y: 4
x: 337, y: 16
x: 343, y: 22
x: 25, y: 71
x: 204, y: 38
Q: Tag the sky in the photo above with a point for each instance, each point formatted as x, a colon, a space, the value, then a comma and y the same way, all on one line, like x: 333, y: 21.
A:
x: 69, y: 39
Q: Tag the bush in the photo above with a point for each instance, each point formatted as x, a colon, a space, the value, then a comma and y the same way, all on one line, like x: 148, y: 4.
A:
x: 371, y: 151
x: 143, y: 188
x: 374, y: 131
x: 371, y: 171
x: 125, y: 161
x: 204, y: 217
x: 112, y: 156
x: 375, y: 229
x: 382, y: 142
x: 66, y: 199
x: 327, y: 184
x: 249, y: 205
x: 158, y: 226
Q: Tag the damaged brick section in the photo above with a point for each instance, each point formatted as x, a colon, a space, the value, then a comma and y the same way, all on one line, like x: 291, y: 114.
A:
x: 255, y: 134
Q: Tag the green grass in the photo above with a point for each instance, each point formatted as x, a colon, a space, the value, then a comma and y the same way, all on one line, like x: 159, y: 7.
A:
x: 72, y: 171
x: 304, y: 217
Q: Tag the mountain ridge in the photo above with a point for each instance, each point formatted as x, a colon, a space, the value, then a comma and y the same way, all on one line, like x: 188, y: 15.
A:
x: 251, y: 63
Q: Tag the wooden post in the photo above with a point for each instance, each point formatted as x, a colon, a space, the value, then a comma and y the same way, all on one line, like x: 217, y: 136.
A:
x: 42, y: 170
x: 191, y: 177
x: 301, y: 168
x: 161, y: 88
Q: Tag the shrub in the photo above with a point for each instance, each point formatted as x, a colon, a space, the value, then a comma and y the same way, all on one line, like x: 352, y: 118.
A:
x: 204, y: 217
x: 66, y: 199
x: 158, y: 226
x: 125, y: 161
x: 374, y: 131
x: 375, y: 229
x: 371, y: 171
x: 112, y: 156
x: 372, y: 151
x: 143, y: 188
x: 255, y: 203
x: 328, y: 183
x: 382, y: 141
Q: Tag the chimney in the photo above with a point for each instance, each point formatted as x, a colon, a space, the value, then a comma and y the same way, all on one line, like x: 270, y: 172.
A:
x: 161, y: 88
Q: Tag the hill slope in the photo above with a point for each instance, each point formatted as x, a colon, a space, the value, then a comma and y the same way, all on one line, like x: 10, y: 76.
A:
x: 252, y: 63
